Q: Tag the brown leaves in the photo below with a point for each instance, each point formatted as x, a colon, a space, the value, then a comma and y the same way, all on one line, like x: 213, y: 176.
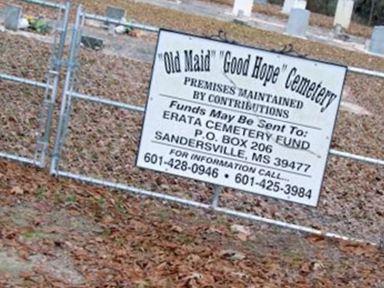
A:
x: 241, y: 232
x: 232, y: 255
x: 179, y: 249
x: 358, y: 249
x: 17, y: 191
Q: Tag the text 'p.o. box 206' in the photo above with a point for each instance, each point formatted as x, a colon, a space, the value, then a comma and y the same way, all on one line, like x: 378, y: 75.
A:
x: 240, y: 117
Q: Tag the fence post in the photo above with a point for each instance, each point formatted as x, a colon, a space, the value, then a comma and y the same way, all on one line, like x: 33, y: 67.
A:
x: 67, y: 90
x: 53, y: 78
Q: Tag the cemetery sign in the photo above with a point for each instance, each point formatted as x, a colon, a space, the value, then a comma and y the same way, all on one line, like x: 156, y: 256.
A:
x: 240, y: 117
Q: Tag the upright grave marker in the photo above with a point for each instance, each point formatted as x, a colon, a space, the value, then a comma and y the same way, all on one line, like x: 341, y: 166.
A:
x: 243, y: 8
x: 240, y: 117
x: 12, y: 17
x: 344, y: 11
x: 291, y: 4
x: 298, y: 22
x: 115, y: 13
x: 377, y: 40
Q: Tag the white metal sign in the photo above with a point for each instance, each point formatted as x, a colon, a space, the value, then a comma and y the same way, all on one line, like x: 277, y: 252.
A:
x: 240, y: 117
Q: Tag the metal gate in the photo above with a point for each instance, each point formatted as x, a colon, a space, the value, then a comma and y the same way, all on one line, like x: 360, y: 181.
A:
x: 50, y: 87
x: 71, y: 96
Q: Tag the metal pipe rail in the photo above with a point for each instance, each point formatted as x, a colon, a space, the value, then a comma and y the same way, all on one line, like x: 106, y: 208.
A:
x: 366, y: 72
x: 100, y: 100
x: 46, y: 4
x: 20, y: 159
x: 368, y: 160
x: 213, y: 207
x: 332, y: 152
x: 123, y: 23
x: 24, y: 81
x: 33, y: 83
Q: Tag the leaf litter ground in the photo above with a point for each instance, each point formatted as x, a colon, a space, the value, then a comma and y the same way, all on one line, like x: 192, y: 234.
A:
x: 103, y: 142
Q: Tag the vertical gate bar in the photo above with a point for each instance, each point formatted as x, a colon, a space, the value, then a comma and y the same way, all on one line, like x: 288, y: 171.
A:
x: 77, y: 40
x: 65, y: 102
x: 56, y: 65
x: 216, y: 196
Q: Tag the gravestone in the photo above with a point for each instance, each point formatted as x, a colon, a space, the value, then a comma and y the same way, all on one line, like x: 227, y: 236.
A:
x: 92, y: 42
x: 298, y: 22
x: 12, y: 17
x: 300, y: 4
x: 288, y: 4
x: 115, y: 13
x: 343, y: 15
x: 242, y: 8
x: 291, y: 4
x: 377, y: 40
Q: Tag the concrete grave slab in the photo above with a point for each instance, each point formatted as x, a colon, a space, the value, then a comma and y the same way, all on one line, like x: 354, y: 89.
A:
x: 12, y: 17
x: 92, y: 42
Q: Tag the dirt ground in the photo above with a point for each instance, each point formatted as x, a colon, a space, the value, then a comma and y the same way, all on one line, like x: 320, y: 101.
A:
x: 58, y: 233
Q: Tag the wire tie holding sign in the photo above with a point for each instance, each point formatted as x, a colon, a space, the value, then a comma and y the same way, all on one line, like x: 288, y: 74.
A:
x: 289, y: 50
x: 216, y: 195
x: 222, y: 36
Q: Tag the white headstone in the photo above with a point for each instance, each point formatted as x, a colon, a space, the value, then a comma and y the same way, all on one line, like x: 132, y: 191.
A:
x: 377, y: 40
x: 262, y: 2
x: 344, y: 11
x: 300, y: 4
x: 298, y: 22
x: 290, y: 4
x: 243, y: 8
x: 23, y: 23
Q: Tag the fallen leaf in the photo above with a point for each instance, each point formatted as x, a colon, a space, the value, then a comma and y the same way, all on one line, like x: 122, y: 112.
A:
x: 17, y: 191
x: 241, y: 231
x: 232, y: 255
